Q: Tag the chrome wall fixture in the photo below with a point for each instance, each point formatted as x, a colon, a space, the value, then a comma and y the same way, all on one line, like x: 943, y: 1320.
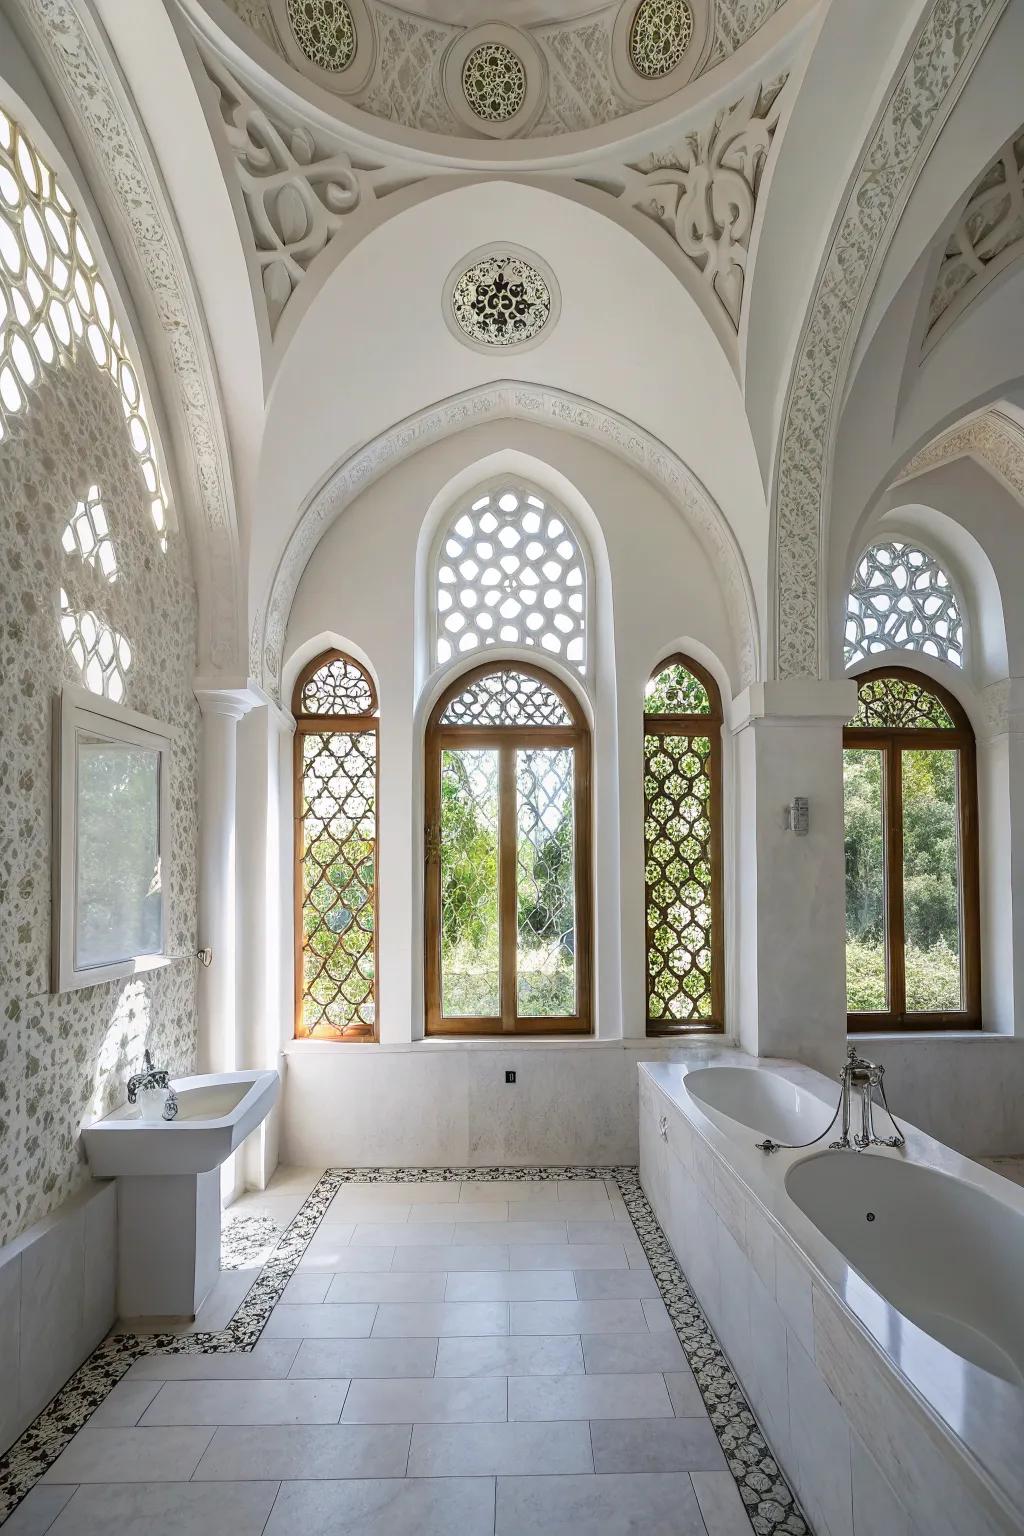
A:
x: 859, y: 1078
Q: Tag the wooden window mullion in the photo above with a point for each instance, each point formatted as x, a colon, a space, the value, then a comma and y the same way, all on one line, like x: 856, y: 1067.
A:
x: 507, y: 859
x: 893, y: 857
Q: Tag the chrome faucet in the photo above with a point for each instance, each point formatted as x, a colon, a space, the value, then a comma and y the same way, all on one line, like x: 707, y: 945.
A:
x: 153, y: 1077
x: 860, y: 1078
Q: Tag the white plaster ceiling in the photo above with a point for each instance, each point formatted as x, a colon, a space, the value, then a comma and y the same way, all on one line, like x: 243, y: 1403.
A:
x: 516, y: 13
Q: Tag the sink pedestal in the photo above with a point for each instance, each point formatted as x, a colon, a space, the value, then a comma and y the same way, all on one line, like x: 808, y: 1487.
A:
x: 168, y: 1243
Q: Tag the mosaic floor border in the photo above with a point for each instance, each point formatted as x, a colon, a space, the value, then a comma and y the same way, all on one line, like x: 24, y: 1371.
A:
x: 769, y: 1502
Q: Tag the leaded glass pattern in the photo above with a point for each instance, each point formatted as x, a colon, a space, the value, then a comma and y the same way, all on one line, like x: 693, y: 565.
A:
x: 659, y: 36
x: 506, y: 696
x: 545, y: 883
x: 510, y: 571
x: 682, y: 848
x: 325, y: 31
x: 338, y: 864
x: 501, y: 301
x: 899, y: 703
x: 102, y: 654
x: 87, y: 533
x: 676, y: 691
x: 902, y: 599
x: 468, y: 852
x: 494, y: 82
x: 52, y: 300
x: 339, y: 687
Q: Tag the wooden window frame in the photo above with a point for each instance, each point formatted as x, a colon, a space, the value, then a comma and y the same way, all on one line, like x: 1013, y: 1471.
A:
x: 506, y: 740
x: 323, y: 725
x: 709, y: 725
x: 892, y: 742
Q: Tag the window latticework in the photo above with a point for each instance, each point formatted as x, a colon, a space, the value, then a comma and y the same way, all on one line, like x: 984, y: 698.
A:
x: 336, y: 851
x: 682, y: 849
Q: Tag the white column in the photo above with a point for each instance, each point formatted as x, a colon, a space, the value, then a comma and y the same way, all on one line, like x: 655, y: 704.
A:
x: 791, y: 900
x: 222, y: 709
x: 1000, y: 739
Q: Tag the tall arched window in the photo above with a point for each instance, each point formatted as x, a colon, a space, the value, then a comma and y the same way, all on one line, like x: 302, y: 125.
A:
x: 902, y: 599
x: 911, y: 808
x: 509, y: 570
x: 683, y: 848
x: 335, y: 708
x: 508, y: 856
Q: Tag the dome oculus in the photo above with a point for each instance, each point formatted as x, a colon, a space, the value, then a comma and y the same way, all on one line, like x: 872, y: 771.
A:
x: 501, y: 301
x: 325, y: 31
x: 494, y: 82
x: 659, y: 36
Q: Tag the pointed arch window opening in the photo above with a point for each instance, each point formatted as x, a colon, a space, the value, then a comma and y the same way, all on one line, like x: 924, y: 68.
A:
x: 913, y: 946
x: 336, y: 841
x: 510, y: 569
x: 684, y: 924
x: 508, y: 856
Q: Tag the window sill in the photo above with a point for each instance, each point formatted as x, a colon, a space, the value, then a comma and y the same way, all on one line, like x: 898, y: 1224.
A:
x: 442, y: 1045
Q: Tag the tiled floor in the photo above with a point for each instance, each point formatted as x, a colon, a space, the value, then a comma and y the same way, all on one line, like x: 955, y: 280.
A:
x: 480, y: 1359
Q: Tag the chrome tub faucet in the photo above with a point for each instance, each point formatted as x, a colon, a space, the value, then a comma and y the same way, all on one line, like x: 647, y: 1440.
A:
x: 153, y: 1077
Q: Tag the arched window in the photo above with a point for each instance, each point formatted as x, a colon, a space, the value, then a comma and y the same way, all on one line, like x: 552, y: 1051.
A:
x: 902, y: 599
x: 509, y: 570
x: 335, y: 708
x: 683, y: 848
x: 508, y: 856
x: 911, y: 809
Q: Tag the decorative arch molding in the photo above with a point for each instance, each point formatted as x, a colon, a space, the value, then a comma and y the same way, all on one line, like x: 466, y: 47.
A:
x: 948, y: 43
x: 993, y: 439
x: 523, y: 402
x: 113, y: 146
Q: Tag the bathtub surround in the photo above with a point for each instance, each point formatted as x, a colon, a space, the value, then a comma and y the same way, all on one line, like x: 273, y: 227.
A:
x: 67, y: 1057
x: 672, y: 1438
x: 879, y: 1427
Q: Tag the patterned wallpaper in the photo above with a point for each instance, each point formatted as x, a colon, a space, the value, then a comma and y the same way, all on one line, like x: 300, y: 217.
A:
x: 64, y: 1058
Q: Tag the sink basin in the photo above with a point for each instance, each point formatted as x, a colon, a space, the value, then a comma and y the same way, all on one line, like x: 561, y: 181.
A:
x: 216, y: 1113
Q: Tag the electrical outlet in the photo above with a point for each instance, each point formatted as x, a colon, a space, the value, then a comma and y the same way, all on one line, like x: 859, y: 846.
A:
x: 510, y: 1077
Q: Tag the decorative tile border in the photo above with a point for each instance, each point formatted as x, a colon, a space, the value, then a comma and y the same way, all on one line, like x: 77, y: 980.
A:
x: 770, y: 1504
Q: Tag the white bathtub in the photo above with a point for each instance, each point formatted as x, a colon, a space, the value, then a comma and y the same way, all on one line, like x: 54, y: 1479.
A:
x: 872, y: 1304
x: 948, y: 1255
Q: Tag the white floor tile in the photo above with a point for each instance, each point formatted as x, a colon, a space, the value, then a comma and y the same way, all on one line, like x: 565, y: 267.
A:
x: 569, y: 1256
x: 37, y: 1511
x: 616, y: 1504
x: 290, y: 1451
x: 390, y: 1507
x: 343, y: 1259
x: 425, y: 1402
x: 517, y: 1233
x: 440, y: 1319
x: 588, y: 1397
x: 465, y: 1210
x: 614, y: 1353
x: 167, y: 1509
x: 450, y: 1450
x: 685, y: 1393
x: 723, y: 1510
x: 455, y: 1260
x: 125, y: 1405
x: 577, y: 1317
x: 265, y: 1362
x: 130, y: 1456
x: 379, y: 1234
x: 247, y: 1402
x: 655, y: 1445
x: 386, y: 1287
x: 310, y: 1288
x: 542, y: 1355
x: 319, y: 1358
x: 615, y: 1285
x: 332, y: 1320
x: 512, y: 1285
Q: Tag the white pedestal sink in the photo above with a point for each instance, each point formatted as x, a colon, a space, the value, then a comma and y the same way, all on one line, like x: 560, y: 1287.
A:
x: 168, y: 1191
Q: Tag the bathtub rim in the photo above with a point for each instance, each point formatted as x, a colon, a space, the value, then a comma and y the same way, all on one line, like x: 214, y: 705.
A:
x: 986, y: 1433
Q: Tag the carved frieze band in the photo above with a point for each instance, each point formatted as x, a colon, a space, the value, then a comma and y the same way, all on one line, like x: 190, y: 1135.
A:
x: 994, y: 439
x: 528, y: 402
x: 952, y: 35
x: 114, y: 143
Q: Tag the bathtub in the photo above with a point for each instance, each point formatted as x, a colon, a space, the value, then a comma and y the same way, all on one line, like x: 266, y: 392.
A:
x: 871, y: 1304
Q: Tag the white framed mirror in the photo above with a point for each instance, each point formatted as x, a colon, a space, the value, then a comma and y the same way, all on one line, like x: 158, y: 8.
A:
x: 111, y: 841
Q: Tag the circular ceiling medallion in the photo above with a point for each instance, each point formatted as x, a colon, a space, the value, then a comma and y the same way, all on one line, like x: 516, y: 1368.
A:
x: 500, y: 297
x: 494, y: 82
x: 325, y: 31
x: 659, y: 36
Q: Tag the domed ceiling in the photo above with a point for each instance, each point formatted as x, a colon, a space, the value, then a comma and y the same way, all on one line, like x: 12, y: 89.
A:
x: 465, y: 70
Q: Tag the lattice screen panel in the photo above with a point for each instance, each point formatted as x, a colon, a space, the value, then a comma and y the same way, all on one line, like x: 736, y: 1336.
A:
x: 678, y: 851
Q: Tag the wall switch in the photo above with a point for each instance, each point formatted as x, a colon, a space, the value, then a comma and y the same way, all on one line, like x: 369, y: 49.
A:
x: 510, y: 1077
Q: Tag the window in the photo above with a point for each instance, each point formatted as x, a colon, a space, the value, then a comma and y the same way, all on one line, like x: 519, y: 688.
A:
x: 683, y: 848
x: 52, y: 301
x: 335, y: 707
x: 508, y: 856
x: 902, y: 599
x: 509, y: 570
x: 912, y: 941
